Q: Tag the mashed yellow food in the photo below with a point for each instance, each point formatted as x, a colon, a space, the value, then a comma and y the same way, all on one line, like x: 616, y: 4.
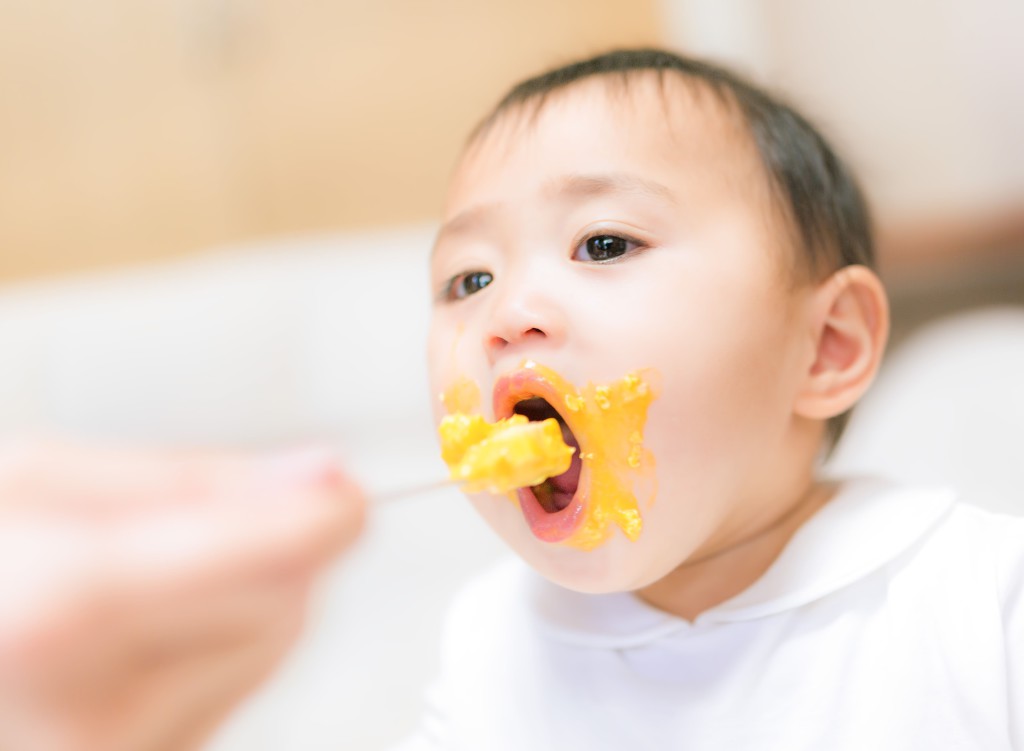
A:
x: 502, y: 456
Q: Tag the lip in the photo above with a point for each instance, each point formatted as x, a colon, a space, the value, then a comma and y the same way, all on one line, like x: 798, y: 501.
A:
x: 509, y: 390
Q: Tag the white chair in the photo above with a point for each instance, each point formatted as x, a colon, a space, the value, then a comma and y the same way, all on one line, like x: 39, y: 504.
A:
x: 948, y: 408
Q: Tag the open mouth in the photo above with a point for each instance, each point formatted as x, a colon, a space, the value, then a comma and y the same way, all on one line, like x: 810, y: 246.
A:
x: 555, y: 493
x: 554, y: 509
x: 604, y: 424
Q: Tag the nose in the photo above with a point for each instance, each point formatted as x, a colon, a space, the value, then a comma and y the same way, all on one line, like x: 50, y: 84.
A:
x: 525, y: 315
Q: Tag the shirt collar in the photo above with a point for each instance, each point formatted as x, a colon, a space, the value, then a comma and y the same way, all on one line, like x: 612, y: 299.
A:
x: 867, y: 524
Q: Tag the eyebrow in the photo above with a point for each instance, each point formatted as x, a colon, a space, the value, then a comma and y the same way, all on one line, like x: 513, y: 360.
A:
x: 569, y: 186
x: 465, y: 220
x: 591, y: 186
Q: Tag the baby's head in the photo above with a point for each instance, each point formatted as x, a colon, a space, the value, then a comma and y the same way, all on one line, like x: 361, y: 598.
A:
x: 644, y: 213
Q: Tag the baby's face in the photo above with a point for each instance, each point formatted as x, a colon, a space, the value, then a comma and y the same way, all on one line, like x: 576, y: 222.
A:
x: 621, y: 232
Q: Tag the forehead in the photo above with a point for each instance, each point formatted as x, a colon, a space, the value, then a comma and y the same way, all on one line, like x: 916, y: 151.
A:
x: 650, y: 130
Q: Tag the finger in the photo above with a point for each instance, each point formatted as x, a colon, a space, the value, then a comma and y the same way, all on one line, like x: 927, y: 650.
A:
x: 44, y: 474
x: 185, y: 699
x: 170, y: 703
x: 215, y: 685
x: 110, y: 652
x: 164, y: 563
x: 280, y: 529
x: 95, y: 481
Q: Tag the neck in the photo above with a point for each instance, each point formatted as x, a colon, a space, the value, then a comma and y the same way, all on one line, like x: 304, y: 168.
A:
x: 718, y: 572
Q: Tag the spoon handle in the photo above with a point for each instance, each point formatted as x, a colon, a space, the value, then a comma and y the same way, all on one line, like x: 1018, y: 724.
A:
x: 409, y: 491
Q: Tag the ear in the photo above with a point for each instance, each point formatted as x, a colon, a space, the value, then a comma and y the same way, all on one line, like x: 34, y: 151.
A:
x: 850, y: 327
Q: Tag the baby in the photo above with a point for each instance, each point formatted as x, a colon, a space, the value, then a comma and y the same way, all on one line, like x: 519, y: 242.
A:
x: 678, y: 268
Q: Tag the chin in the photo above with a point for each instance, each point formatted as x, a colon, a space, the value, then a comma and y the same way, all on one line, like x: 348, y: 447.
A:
x: 618, y: 565
x: 615, y: 567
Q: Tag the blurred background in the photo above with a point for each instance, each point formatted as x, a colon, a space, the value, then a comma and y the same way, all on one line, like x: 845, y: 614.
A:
x: 215, y: 215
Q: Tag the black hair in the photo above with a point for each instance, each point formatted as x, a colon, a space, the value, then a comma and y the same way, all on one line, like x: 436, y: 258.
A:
x: 813, y: 187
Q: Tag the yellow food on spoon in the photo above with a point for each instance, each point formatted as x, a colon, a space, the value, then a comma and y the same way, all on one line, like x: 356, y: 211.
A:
x: 502, y: 456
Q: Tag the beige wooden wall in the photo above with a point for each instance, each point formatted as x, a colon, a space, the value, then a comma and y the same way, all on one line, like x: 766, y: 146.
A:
x: 133, y: 130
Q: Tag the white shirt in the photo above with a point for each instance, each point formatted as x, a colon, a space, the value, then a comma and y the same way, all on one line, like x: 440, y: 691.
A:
x: 894, y: 619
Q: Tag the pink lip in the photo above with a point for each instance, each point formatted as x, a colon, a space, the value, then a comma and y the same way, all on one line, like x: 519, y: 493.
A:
x: 509, y: 390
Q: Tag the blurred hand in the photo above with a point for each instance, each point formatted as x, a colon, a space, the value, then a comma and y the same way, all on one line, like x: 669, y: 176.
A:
x: 143, y: 595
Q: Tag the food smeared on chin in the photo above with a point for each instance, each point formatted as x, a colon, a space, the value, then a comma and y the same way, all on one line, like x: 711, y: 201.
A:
x: 505, y: 455
x: 574, y: 456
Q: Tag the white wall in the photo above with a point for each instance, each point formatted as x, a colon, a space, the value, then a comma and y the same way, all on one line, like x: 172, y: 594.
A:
x: 925, y: 96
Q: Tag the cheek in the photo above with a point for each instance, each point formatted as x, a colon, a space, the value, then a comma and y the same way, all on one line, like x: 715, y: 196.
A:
x: 446, y: 338
x: 442, y: 369
x: 726, y: 371
x: 443, y: 339
x: 436, y: 343
x: 435, y: 375
x: 455, y: 378
x: 726, y: 391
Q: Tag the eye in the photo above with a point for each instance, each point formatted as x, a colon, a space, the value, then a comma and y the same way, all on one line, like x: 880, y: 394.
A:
x: 600, y: 248
x: 467, y: 284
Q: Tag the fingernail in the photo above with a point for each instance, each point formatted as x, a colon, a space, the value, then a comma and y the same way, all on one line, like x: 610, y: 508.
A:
x: 300, y: 467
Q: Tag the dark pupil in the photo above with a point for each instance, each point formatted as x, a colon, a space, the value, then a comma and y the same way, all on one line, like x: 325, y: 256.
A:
x: 605, y: 247
x: 476, y: 281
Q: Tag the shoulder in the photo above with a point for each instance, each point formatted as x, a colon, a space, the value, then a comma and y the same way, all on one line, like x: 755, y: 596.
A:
x: 997, y: 538
x: 929, y: 542
x: 972, y: 555
x: 934, y: 521
x: 978, y: 532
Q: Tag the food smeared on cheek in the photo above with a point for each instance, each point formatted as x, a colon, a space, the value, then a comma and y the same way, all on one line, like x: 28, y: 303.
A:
x: 608, y: 420
x: 462, y: 396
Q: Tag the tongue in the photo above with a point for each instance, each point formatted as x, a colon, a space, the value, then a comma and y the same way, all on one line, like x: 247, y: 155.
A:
x: 564, y: 486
